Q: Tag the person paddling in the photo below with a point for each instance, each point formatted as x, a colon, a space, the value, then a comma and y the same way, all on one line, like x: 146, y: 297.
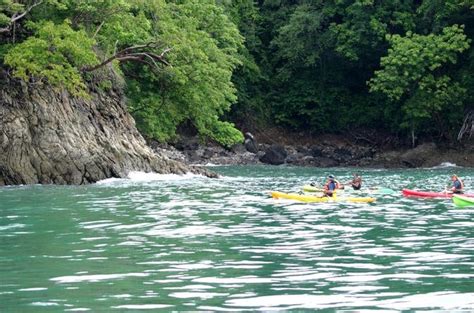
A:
x: 458, y: 185
x: 356, y: 182
x: 330, y: 186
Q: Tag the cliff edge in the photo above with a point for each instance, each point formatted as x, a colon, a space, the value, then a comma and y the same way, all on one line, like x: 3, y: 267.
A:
x: 49, y: 137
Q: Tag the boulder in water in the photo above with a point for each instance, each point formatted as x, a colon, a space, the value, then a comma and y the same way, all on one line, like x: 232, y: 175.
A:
x: 274, y: 155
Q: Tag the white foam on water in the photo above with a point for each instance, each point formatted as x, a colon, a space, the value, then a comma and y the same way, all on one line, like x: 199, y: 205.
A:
x: 45, y: 304
x: 33, y: 289
x: 94, y: 278
x: 148, y: 177
x: 142, y: 176
x: 444, y: 165
x: 234, y: 280
x: 443, y: 300
x: 142, y: 306
x: 298, y: 301
x: 201, y: 295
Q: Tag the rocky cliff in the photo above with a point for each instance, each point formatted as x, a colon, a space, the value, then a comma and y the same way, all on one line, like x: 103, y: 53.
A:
x: 49, y: 137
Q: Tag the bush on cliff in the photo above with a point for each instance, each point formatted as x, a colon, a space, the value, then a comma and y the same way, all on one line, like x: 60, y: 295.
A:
x: 177, y: 56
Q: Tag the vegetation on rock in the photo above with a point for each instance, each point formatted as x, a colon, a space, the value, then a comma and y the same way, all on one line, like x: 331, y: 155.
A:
x: 323, y: 66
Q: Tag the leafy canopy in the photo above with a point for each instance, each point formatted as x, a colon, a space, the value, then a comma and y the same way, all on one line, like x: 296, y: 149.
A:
x: 414, y: 72
x: 55, y: 53
x: 62, y: 39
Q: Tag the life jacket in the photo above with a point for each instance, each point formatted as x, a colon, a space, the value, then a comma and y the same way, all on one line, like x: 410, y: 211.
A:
x: 356, y: 183
x: 326, y: 186
x: 461, y: 182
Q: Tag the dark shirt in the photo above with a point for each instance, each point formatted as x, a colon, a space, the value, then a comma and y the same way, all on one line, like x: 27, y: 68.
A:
x: 332, y: 186
x: 457, y: 186
x: 356, y: 183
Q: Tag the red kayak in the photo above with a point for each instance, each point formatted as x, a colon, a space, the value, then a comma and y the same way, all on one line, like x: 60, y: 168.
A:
x: 429, y: 194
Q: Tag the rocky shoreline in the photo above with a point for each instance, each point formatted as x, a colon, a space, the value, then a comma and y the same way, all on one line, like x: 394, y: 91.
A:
x: 50, y: 137
x: 329, y: 152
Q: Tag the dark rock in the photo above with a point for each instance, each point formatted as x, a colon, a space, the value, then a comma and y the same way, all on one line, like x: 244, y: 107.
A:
x: 239, y: 148
x: 342, y: 154
x: 251, y: 146
x: 250, y: 143
x: 49, y: 137
x: 274, y: 155
x: 303, y: 150
x: 343, y: 151
x: 316, y: 151
x: 418, y: 156
x: 208, y: 153
x: 325, y: 162
x: 296, y: 159
x: 389, y: 159
x: 187, y: 144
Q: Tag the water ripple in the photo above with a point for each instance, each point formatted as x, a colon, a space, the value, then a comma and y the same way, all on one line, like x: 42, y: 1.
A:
x: 180, y: 243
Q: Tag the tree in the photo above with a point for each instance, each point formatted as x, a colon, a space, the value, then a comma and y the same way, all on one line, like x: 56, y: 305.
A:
x: 197, y: 87
x: 11, y: 12
x: 414, y: 75
x: 177, y: 57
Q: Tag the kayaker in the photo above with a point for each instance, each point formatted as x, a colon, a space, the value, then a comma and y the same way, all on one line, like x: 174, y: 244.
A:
x: 330, y: 186
x: 356, y: 182
x: 458, y: 185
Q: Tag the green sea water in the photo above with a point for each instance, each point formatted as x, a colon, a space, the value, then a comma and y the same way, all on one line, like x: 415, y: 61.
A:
x: 189, y: 243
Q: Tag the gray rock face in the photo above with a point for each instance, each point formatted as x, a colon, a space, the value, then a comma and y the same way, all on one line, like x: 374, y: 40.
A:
x: 418, y: 156
x: 250, y: 143
x: 275, y: 155
x: 50, y: 137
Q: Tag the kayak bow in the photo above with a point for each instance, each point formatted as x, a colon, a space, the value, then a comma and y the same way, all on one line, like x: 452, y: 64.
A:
x: 463, y: 201
x: 427, y: 194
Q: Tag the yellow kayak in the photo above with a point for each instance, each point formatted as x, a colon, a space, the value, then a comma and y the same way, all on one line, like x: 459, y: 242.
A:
x: 309, y: 188
x: 311, y: 198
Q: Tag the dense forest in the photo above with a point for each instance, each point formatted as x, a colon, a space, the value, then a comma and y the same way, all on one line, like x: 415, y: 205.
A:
x: 402, y: 67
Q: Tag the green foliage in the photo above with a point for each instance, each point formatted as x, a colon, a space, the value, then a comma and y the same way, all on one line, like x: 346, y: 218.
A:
x: 248, y: 77
x: 412, y: 57
x: 55, y: 53
x: 319, y: 66
x: 7, y: 9
x: 322, y: 53
x: 224, y: 133
x: 413, y: 73
x: 198, y: 87
x: 64, y: 37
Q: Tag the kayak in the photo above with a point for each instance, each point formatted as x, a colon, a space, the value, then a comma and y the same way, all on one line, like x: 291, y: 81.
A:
x: 311, y: 198
x: 428, y: 194
x: 309, y: 188
x: 463, y: 201
x: 380, y: 191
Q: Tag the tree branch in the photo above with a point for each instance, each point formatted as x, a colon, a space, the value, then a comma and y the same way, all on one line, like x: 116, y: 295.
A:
x: 138, y: 53
x: 98, y: 29
x: 17, y: 16
x: 467, y: 126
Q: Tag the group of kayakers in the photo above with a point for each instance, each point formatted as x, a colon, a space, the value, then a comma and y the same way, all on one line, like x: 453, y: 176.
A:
x: 332, y: 184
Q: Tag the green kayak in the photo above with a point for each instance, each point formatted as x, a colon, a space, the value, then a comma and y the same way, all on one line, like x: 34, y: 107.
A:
x: 382, y: 191
x: 463, y: 201
x: 310, y: 188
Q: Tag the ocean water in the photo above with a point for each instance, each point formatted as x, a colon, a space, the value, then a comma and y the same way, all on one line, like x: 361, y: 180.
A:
x: 189, y: 243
